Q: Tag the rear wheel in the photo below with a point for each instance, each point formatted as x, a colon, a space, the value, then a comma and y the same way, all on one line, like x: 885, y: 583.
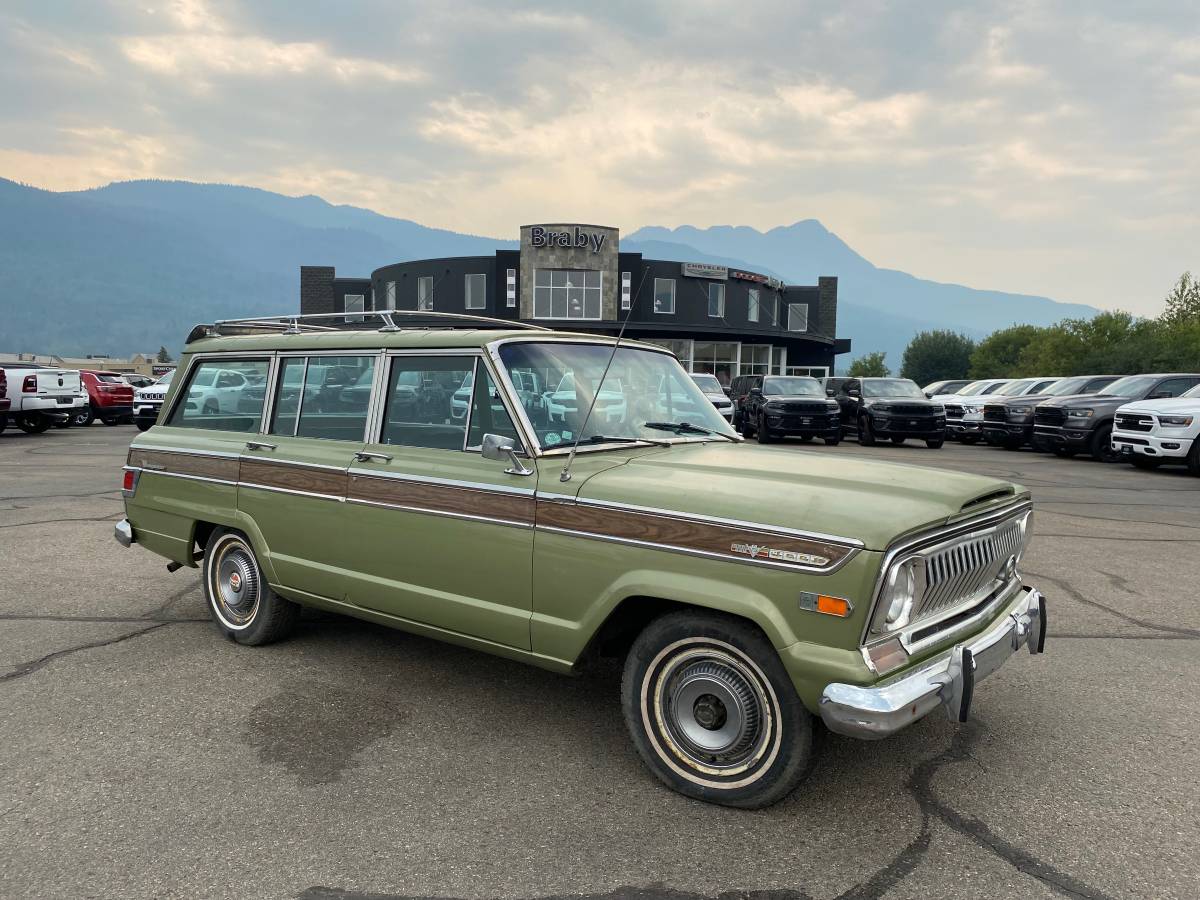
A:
x: 866, y: 434
x: 33, y: 423
x: 242, y: 604
x: 1102, y: 448
x: 83, y: 417
x: 712, y: 712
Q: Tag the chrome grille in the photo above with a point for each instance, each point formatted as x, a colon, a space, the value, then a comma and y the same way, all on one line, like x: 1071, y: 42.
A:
x: 966, y: 569
x: 1048, y: 415
x: 1134, y: 422
x: 995, y: 412
x: 954, y: 410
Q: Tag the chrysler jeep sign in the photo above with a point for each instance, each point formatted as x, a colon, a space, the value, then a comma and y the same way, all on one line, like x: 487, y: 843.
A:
x: 540, y: 237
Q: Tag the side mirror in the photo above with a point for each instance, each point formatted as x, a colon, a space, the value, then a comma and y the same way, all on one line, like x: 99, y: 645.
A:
x: 829, y: 392
x: 929, y: 395
x: 853, y: 392
x: 756, y: 392
x: 501, y: 449
x: 728, y: 391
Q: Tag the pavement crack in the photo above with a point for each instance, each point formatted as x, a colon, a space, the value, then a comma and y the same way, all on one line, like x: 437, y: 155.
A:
x: 1074, y: 594
x: 920, y: 783
x: 895, y: 871
x: 18, y: 617
x: 108, y: 518
x: 28, y: 668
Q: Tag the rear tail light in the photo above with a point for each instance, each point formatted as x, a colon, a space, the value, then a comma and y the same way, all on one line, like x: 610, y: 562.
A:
x: 29, y: 385
x: 130, y: 481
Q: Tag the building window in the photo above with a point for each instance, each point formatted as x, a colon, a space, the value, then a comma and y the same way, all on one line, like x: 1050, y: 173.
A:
x: 425, y: 292
x: 756, y: 359
x: 664, y: 295
x: 716, y: 300
x: 797, y: 317
x: 626, y: 287
x: 566, y: 294
x: 355, y: 303
x: 719, y: 358
x: 752, y: 306
x: 391, y: 295
x: 681, y: 348
x: 768, y: 311
x: 510, y: 297
x: 476, y: 288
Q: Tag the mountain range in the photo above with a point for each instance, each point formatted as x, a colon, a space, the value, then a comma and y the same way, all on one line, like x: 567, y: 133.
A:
x: 133, y: 265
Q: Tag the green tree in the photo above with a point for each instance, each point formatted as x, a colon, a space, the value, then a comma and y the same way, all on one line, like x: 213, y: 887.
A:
x: 869, y: 366
x: 999, y: 354
x: 163, y: 356
x: 1183, y: 303
x: 937, y: 355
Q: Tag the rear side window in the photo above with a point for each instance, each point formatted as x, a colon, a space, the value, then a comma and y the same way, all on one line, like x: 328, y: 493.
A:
x: 324, y: 397
x: 427, y: 400
x: 223, y: 395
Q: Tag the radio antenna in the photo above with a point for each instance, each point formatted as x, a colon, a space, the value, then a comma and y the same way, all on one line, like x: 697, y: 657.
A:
x: 565, y: 475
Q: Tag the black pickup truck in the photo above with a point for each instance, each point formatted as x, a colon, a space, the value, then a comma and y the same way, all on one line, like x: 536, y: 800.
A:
x: 891, y: 408
x: 1008, y: 421
x: 1068, y: 425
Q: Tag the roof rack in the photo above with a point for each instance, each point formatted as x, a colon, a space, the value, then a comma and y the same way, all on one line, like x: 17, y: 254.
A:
x: 383, y: 320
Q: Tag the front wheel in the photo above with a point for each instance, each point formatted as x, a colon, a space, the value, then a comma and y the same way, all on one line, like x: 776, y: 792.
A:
x: 866, y: 434
x: 1193, y: 457
x: 712, y: 712
x: 1102, y: 448
x: 242, y: 604
x: 764, y: 436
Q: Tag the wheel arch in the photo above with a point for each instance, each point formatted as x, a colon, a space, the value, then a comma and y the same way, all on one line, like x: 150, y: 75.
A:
x: 202, y: 530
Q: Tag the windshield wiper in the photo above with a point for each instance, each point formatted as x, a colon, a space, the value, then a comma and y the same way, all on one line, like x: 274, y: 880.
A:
x: 609, y: 439
x: 687, y: 428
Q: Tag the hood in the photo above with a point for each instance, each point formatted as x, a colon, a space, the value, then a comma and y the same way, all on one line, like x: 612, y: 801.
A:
x: 874, y: 502
x: 1028, y: 398
x: 1092, y: 400
x: 954, y: 398
x: 1165, y: 405
x: 717, y: 395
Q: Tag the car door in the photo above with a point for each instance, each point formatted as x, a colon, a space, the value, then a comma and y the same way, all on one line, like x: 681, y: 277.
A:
x: 439, y: 535
x: 293, y: 477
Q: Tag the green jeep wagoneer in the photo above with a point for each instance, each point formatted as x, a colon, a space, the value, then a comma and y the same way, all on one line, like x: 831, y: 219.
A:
x: 553, y: 497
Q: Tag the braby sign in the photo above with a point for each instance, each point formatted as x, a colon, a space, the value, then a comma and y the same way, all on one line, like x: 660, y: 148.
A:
x: 541, y: 237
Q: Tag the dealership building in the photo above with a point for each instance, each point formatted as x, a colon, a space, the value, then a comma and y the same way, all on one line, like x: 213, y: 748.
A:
x: 716, y: 319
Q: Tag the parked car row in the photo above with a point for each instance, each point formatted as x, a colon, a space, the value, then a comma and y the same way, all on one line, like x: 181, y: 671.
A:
x: 34, y: 397
x: 1146, y: 420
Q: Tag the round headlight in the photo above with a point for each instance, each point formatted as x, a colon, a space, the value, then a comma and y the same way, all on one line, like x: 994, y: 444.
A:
x: 900, y: 595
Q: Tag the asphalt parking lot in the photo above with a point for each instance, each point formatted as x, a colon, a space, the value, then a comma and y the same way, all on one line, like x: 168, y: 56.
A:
x: 145, y: 756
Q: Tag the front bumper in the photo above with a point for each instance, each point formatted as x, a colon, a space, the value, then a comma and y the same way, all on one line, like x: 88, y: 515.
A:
x: 1007, y: 432
x: 1155, y: 446
x: 948, y: 680
x: 1047, y: 437
x: 146, y: 412
x: 902, y: 426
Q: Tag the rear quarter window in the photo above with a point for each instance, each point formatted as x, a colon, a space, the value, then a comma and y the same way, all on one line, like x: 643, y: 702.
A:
x: 223, y: 395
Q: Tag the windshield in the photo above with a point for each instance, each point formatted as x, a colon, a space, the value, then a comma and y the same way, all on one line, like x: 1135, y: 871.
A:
x: 166, y: 379
x: 1064, y: 387
x: 111, y: 379
x: 891, y: 387
x: 1191, y: 392
x: 1014, y: 388
x: 1131, y: 386
x: 975, y: 387
x: 792, y: 386
x: 708, y: 384
x: 641, y: 386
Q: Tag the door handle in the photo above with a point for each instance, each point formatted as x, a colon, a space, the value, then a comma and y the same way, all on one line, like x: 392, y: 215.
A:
x: 368, y: 455
x: 260, y: 445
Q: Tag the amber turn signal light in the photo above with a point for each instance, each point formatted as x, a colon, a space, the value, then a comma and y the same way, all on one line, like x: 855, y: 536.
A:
x: 824, y: 603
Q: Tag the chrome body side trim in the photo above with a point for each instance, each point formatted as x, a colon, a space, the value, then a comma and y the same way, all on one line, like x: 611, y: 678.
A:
x: 216, y: 454
x: 947, y: 681
x: 280, y: 490
x: 446, y: 482
x: 193, y: 477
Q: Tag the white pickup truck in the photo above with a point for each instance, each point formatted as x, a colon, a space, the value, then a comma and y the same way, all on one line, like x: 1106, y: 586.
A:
x: 1149, y: 433
x: 40, y: 396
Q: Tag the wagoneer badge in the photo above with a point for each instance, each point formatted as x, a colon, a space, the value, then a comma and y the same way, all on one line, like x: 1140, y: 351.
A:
x: 757, y: 551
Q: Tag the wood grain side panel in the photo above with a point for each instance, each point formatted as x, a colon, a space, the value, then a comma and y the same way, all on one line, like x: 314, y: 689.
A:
x: 688, y: 535
x: 292, y: 478
x: 225, y: 469
x: 442, y: 498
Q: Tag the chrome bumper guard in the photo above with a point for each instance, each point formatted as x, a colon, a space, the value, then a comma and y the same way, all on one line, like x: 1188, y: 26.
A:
x: 124, y: 533
x: 947, y: 680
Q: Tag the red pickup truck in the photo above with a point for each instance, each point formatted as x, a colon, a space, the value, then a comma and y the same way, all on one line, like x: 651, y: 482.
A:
x: 110, y: 399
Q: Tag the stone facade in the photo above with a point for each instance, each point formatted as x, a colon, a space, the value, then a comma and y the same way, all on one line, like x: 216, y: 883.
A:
x: 316, y: 289
x: 827, y: 292
x: 586, y: 257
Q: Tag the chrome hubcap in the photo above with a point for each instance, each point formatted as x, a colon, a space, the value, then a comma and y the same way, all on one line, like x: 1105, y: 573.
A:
x: 235, y: 584
x: 713, y: 710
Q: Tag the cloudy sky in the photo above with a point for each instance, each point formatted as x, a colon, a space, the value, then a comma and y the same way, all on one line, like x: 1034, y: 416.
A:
x: 1041, y: 147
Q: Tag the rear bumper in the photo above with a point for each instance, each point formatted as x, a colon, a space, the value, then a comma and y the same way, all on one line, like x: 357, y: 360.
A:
x: 1152, y: 445
x: 948, y: 680
x: 123, y: 533
x: 49, y: 404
